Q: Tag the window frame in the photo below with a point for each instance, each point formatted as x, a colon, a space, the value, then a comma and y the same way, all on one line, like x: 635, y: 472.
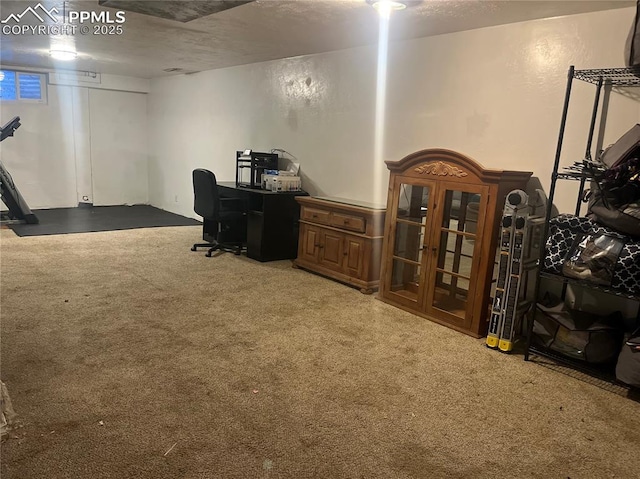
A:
x: 43, y: 87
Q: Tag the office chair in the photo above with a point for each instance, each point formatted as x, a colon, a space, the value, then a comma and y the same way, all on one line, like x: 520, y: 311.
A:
x: 224, y: 226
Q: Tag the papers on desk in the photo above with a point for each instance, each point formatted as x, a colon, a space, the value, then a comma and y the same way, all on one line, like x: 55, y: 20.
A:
x: 283, y: 181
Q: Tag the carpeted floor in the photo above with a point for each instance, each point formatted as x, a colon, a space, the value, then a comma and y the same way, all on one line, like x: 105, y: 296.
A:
x: 126, y: 355
x: 57, y: 221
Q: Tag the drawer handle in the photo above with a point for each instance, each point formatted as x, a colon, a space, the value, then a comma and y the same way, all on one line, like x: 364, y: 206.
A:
x: 314, y: 215
x: 346, y: 222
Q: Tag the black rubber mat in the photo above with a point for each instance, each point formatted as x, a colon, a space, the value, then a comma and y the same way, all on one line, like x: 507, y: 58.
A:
x: 99, y: 218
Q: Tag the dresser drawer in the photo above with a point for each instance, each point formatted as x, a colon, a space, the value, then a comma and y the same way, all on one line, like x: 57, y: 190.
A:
x: 348, y: 222
x: 316, y: 215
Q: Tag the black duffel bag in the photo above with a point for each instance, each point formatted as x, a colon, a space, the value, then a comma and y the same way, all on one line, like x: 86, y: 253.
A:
x: 632, y: 45
x: 614, y: 195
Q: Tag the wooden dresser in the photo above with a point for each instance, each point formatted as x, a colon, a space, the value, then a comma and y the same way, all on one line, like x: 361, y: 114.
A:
x: 341, y: 239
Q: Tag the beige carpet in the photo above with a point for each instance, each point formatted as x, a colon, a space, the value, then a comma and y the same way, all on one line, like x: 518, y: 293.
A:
x: 126, y: 355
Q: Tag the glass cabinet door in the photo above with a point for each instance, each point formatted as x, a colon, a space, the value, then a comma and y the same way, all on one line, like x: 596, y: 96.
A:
x: 406, y: 272
x: 454, y: 251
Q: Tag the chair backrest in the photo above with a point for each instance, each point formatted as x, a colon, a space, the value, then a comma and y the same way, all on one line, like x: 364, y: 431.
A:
x: 206, y: 201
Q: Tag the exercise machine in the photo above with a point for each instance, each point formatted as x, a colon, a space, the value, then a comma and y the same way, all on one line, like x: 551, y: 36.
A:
x: 11, y: 197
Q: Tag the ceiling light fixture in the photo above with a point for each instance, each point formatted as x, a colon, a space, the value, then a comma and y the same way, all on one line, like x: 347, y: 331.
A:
x: 390, y: 4
x: 384, y: 7
x: 64, y: 55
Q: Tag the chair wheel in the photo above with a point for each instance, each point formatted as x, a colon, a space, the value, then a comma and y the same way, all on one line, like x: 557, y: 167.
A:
x: 208, y: 254
x: 193, y: 248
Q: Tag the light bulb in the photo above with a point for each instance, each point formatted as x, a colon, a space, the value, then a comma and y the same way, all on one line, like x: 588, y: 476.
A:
x: 64, y: 55
x: 385, y: 7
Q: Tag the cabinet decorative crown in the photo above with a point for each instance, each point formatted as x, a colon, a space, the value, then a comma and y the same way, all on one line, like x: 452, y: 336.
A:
x: 440, y: 168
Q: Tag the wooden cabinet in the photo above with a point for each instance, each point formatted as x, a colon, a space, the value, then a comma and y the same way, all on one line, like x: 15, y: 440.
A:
x: 440, y: 236
x: 341, y: 239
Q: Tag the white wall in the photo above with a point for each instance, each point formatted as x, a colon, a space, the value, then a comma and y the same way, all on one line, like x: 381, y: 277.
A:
x: 494, y: 94
x: 62, y: 145
x: 41, y: 157
x: 118, y: 123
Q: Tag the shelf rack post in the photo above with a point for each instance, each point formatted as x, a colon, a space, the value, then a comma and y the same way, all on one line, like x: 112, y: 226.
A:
x: 587, y: 153
x: 552, y: 189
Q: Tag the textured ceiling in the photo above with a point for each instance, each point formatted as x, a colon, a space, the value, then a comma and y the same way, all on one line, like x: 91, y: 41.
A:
x: 251, y: 32
x: 179, y: 10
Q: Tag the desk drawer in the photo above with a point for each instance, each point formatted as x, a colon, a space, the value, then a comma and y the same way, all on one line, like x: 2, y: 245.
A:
x: 316, y: 215
x: 348, y: 222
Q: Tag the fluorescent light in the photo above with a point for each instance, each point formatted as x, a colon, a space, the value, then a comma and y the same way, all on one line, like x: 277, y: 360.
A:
x: 64, y: 55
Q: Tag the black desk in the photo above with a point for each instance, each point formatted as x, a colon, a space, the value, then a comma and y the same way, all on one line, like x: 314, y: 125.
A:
x: 272, y: 221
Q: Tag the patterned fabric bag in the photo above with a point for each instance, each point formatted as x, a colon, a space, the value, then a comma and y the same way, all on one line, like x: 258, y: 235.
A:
x: 563, y: 231
x: 566, y: 230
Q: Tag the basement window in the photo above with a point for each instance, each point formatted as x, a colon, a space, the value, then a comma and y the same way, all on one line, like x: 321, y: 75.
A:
x: 23, y: 86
